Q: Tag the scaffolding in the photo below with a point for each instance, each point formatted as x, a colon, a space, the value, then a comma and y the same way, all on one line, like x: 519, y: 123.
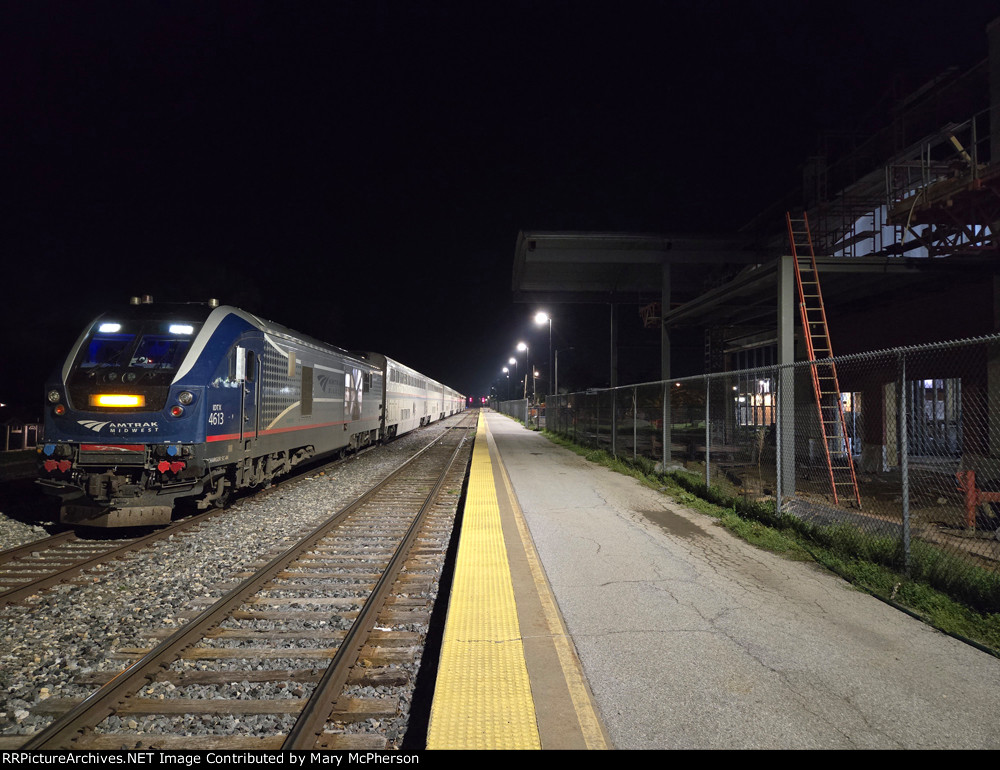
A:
x: 938, y: 197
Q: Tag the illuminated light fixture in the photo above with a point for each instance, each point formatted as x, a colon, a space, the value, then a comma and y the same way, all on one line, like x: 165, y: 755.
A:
x: 109, y: 328
x: 53, y: 396
x: 117, y: 399
x: 181, y: 329
x: 60, y: 409
x: 176, y: 410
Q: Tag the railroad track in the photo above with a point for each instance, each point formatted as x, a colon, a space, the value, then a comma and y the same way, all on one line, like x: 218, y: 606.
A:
x: 311, y: 650
x: 27, y: 569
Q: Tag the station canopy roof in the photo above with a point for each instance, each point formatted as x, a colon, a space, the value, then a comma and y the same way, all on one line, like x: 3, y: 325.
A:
x: 594, y: 267
x: 715, y: 280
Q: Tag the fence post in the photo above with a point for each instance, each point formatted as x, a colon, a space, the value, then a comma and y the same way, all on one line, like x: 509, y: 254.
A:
x: 776, y: 406
x: 635, y: 438
x: 597, y: 431
x: 666, y: 426
x: 904, y: 464
x: 708, y: 400
x: 614, y: 422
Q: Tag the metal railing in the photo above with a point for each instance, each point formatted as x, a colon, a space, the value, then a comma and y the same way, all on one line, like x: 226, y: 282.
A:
x: 19, y: 437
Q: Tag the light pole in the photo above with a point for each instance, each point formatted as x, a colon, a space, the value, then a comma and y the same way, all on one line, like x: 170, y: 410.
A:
x: 513, y: 362
x: 557, y: 370
x: 541, y: 317
x: 506, y: 371
x: 524, y: 346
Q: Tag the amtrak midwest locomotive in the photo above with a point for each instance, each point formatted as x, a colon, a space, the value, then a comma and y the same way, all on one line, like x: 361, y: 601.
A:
x: 156, y: 403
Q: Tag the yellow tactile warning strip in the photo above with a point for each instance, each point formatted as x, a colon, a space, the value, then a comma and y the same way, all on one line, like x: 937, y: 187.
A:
x: 590, y: 723
x: 482, y: 699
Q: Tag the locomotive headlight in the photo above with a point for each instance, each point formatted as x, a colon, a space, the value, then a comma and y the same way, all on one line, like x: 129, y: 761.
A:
x: 185, y: 397
x: 53, y: 396
x: 117, y: 399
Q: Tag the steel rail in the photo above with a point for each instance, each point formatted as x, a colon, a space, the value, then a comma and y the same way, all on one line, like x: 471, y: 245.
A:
x: 17, y: 551
x: 311, y: 720
x: 17, y: 593
x: 96, y: 707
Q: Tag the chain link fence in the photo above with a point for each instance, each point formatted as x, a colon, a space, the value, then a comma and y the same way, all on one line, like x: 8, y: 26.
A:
x: 532, y: 415
x: 901, y: 461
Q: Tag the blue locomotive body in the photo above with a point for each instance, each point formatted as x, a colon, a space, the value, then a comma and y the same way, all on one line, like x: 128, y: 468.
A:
x: 160, y: 403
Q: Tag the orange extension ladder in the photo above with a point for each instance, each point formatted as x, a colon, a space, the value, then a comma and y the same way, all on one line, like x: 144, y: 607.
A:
x: 836, y: 445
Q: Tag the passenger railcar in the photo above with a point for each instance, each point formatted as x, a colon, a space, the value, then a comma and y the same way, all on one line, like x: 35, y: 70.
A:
x: 411, y: 399
x: 158, y: 403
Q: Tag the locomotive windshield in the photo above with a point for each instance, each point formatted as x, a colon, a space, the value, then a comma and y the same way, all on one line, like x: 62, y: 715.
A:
x: 136, y: 357
x: 152, y: 350
x: 105, y: 349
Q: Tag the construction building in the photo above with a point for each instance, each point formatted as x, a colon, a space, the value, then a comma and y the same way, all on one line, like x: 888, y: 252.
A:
x: 899, y: 228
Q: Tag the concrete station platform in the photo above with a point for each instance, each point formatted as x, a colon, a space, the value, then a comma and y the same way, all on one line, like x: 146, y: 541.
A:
x: 590, y: 612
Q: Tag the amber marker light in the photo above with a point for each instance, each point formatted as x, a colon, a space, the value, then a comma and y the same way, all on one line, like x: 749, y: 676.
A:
x: 117, y: 399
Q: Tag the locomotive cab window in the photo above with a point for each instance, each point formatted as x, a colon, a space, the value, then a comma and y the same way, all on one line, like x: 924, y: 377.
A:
x: 244, y: 363
x: 160, y: 351
x: 129, y: 357
x: 161, y: 346
x: 104, y: 349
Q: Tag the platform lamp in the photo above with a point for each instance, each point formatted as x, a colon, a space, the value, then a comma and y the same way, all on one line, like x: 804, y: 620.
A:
x: 524, y: 346
x: 513, y: 362
x: 542, y: 318
x: 506, y: 371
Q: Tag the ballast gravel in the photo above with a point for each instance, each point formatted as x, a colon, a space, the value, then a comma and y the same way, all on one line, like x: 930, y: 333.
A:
x: 72, y: 630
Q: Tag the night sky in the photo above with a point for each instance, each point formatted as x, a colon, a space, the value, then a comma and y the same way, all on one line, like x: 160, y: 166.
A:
x: 360, y: 171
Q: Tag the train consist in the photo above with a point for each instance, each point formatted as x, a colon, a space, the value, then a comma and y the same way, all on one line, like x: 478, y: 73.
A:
x: 157, y: 403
